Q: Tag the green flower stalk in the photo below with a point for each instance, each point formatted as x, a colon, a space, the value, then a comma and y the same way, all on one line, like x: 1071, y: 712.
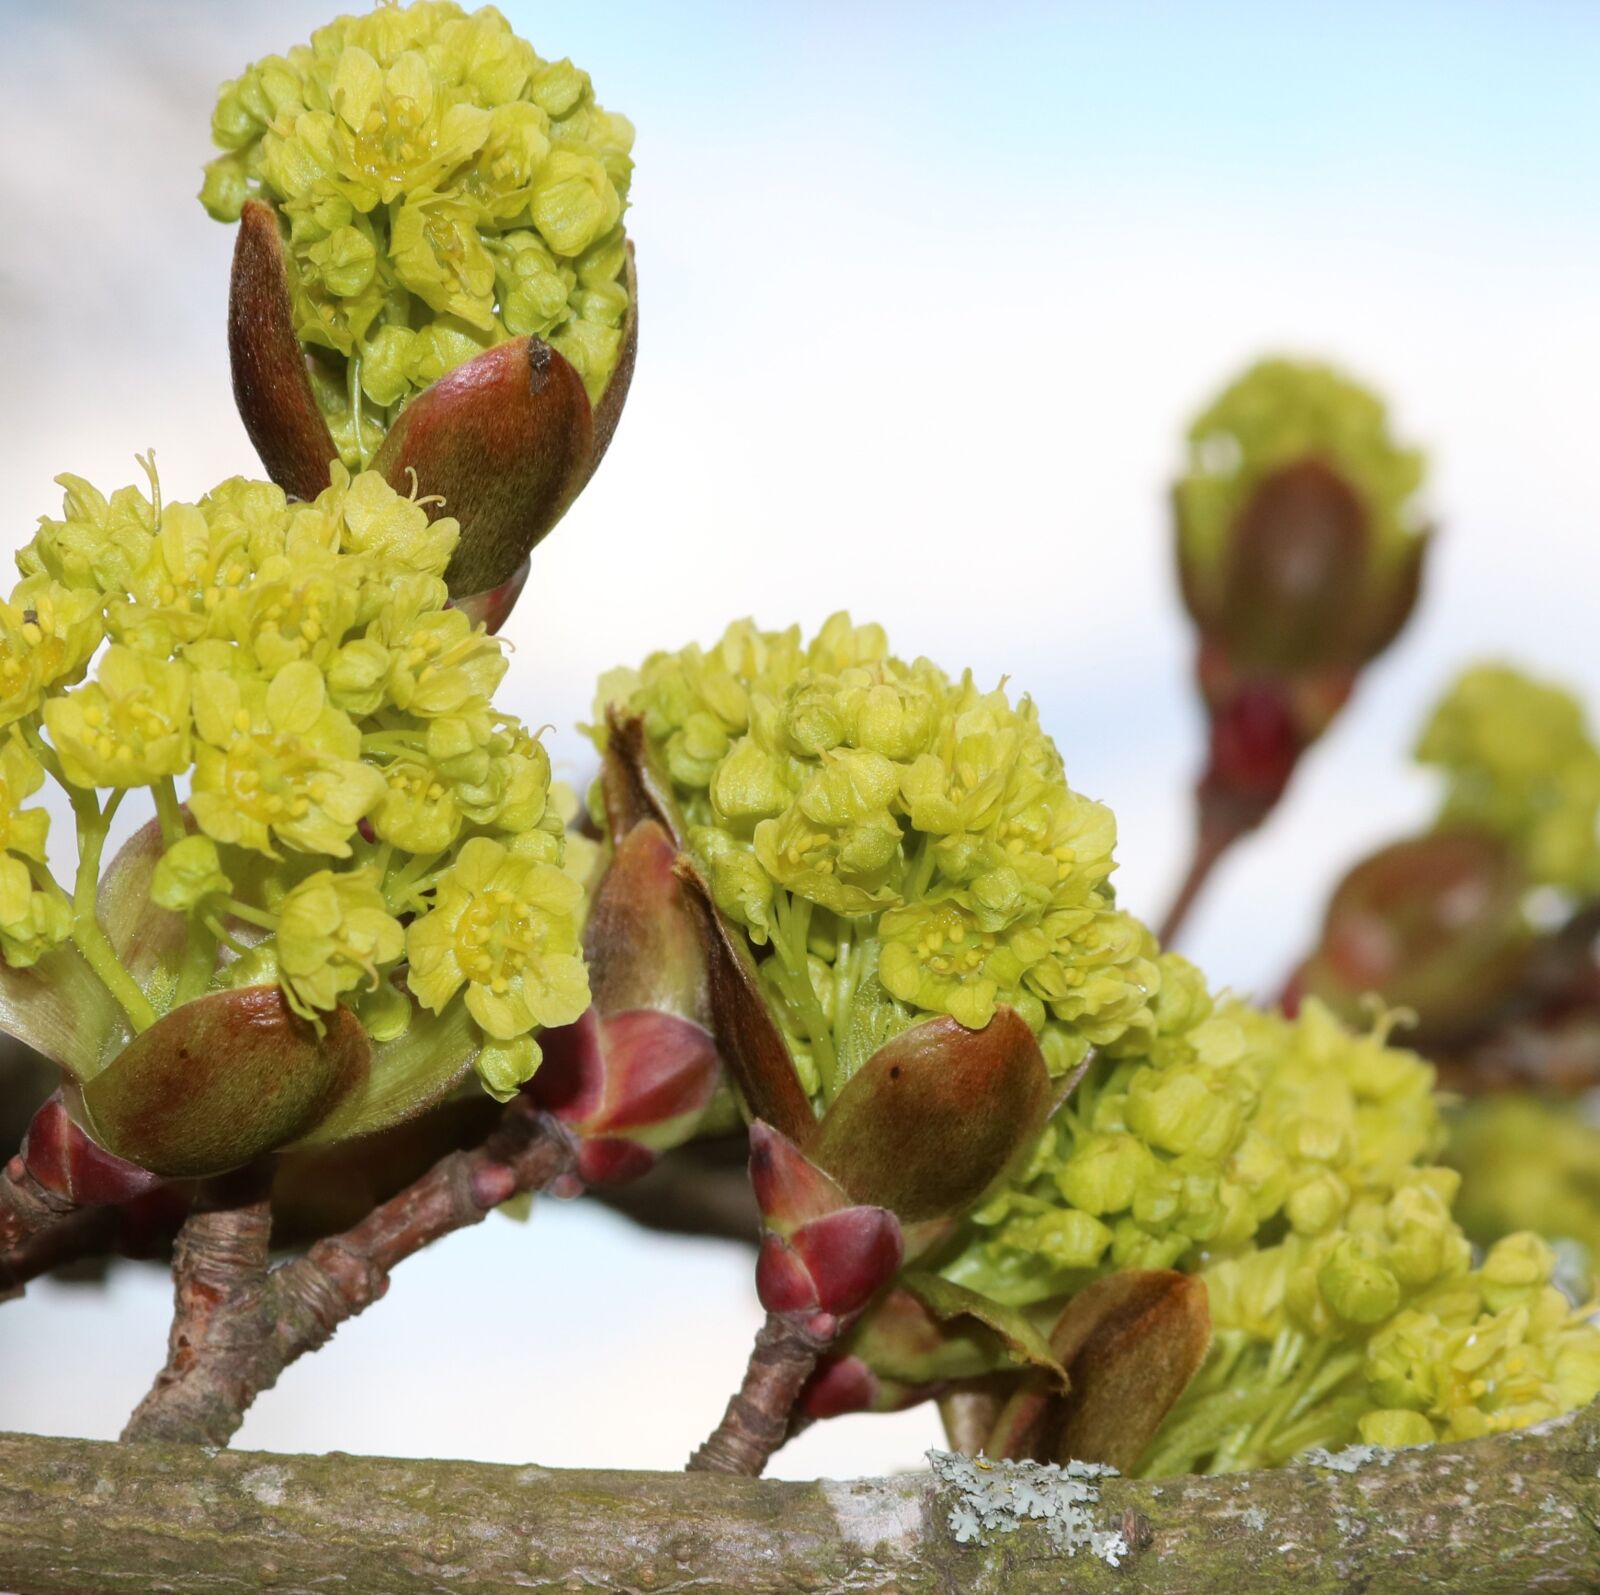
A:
x: 420, y: 191
x: 1300, y: 551
x: 364, y: 891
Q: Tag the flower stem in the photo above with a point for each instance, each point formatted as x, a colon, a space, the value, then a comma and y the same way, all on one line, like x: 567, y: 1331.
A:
x: 167, y: 810
x: 87, y: 934
x: 1215, y: 832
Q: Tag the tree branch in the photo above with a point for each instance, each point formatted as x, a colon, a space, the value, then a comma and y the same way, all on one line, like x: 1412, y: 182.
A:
x: 1507, y: 1514
x: 86, y: 1232
x: 757, y: 1420
x: 27, y: 1209
x: 266, y: 1323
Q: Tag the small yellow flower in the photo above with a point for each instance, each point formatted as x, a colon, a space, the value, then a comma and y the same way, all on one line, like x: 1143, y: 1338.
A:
x: 440, y: 663
x: 47, y: 635
x: 507, y: 929
x: 278, y: 763
x: 32, y: 921
x: 128, y: 727
x: 334, y: 934
x: 189, y: 871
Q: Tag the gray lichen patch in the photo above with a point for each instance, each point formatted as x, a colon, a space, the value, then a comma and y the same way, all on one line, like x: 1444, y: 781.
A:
x: 996, y: 1497
x: 1350, y: 1460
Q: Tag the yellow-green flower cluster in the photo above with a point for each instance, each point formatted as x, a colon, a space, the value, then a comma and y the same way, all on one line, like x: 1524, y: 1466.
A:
x: 1182, y: 1146
x: 34, y: 913
x: 361, y: 820
x: 442, y: 189
x: 1521, y: 762
x: 1531, y: 1163
x: 904, y: 842
x: 1281, y: 412
x: 1478, y: 1351
x: 1292, y: 1165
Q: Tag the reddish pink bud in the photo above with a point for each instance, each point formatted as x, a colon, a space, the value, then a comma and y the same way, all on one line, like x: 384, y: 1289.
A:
x: 613, y: 1162
x: 840, y: 1385
x: 63, y: 1158
x: 790, y: 1189
x: 783, y: 1282
x: 850, y: 1256
x: 821, y: 1251
x: 631, y: 1084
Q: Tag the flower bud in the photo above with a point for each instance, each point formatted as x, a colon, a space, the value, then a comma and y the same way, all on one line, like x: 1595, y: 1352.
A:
x: 822, y: 1255
x: 1357, y: 1287
x: 1433, y: 924
x: 1394, y: 1427
x: 1300, y: 559
x: 61, y: 1155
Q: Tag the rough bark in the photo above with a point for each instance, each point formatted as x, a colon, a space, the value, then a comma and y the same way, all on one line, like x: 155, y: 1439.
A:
x: 757, y: 1420
x: 1513, y: 1513
x: 234, y: 1348
x: 219, y: 1274
x: 89, y: 1232
x: 27, y: 1209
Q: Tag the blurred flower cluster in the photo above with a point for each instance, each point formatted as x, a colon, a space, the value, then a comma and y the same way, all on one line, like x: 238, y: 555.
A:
x: 905, y: 844
x: 1521, y: 764
x: 443, y: 188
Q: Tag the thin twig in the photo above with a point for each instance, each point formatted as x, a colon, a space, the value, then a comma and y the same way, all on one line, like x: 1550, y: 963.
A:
x: 1216, y: 830
x: 27, y: 1208
x: 265, y: 1326
x: 87, y: 1232
x: 757, y: 1420
x: 219, y: 1273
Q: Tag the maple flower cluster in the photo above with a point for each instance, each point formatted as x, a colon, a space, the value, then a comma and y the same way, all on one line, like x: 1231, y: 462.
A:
x: 442, y: 188
x: 362, y: 825
x: 1276, y: 414
x: 1521, y: 763
x: 1291, y: 1164
x: 900, y: 842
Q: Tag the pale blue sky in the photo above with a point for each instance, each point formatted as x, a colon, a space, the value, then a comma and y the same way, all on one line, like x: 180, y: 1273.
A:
x: 928, y: 291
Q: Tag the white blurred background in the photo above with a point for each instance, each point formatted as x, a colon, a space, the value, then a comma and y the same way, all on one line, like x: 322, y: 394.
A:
x: 928, y: 293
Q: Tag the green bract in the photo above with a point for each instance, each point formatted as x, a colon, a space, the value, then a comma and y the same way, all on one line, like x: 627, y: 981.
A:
x: 442, y: 188
x: 347, y: 772
x: 905, y: 843
x: 1291, y: 1165
x: 1279, y: 413
x: 1522, y: 764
